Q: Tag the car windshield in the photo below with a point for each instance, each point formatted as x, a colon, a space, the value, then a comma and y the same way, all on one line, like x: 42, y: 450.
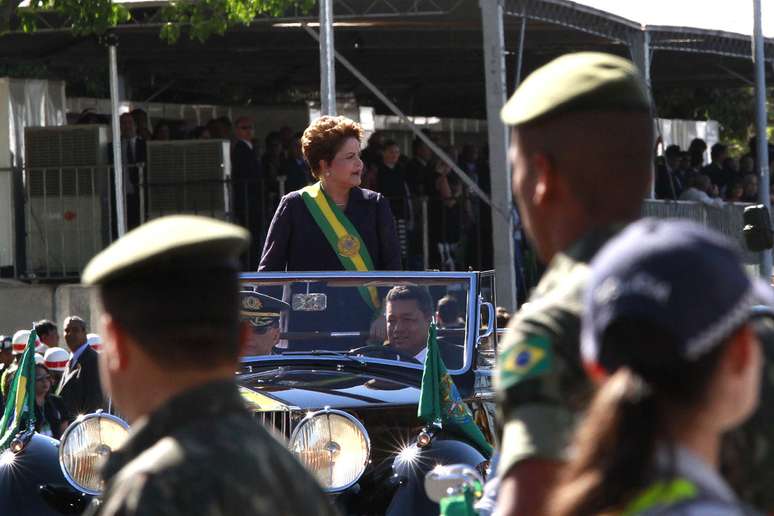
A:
x: 360, y: 317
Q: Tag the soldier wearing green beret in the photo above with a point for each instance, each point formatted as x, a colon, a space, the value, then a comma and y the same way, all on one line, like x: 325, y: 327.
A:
x: 172, y: 337
x: 582, y: 156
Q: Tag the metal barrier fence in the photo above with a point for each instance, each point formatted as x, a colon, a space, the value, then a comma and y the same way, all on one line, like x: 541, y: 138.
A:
x: 66, y: 219
x: 65, y: 215
x: 727, y: 220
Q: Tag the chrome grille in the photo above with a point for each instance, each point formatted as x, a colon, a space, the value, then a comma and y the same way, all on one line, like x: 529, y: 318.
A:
x: 279, y: 422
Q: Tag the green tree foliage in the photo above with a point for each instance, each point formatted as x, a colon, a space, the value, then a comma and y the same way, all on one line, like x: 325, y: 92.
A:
x: 207, y: 17
x: 734, y: 108
x: 198, y: 18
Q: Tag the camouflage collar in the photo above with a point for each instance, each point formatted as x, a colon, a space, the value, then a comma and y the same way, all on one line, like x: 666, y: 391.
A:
x: 584, y: 249
x: 210, y: 401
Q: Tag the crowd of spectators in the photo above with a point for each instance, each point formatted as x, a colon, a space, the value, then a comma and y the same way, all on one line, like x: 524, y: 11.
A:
x: 683, y: 175
x: 263, y: 170
x: 66, y: 381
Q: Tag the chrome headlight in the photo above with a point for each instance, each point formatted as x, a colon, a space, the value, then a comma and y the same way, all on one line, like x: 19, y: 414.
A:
x: 86, y: 445
x: 333, y: 446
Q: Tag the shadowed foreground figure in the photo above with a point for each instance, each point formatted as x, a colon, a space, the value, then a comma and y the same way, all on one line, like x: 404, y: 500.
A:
x: 172, y: 337
x: 582, y: 143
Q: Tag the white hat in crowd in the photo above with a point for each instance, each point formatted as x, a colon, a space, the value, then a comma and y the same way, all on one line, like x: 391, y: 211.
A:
x: 40, y: 347
x: 95, y: 341
x: 20, y: 339
x: 56, y: 359
x: 39, y: 360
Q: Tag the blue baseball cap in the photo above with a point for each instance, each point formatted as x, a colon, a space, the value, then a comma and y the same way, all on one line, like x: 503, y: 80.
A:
x: 683, y: 277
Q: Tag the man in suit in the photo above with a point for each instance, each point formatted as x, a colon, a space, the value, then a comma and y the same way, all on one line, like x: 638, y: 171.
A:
x: 80, y: 388
x: 133, y: 152
x: 246, y: 183
x: 409, y: 312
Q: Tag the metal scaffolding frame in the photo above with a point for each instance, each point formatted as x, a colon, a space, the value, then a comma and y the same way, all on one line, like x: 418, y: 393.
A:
x: 643, y: 41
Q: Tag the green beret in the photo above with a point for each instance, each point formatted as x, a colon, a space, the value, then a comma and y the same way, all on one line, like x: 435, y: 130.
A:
x: 584, y: 81
x: 173, y: 242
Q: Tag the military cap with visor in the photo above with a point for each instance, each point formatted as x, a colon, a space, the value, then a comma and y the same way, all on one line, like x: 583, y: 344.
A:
x: 260, y: 310
x: 583, y: 81
x: 678, y: 275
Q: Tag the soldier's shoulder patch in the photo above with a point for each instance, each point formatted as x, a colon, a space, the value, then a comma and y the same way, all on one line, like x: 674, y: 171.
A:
x: 530, y: 357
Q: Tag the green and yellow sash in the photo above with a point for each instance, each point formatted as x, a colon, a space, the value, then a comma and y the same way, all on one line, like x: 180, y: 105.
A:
x: 342, y: 236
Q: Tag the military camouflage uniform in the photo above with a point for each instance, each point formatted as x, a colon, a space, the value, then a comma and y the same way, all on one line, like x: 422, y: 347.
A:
x: 202, y: 453
x: 540, y: 382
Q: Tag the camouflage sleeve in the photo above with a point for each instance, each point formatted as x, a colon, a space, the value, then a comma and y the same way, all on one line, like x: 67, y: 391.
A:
x: 538, y: 382
x: 138, y: 496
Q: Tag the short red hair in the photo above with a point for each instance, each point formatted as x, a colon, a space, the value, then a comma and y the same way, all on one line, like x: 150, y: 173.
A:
x: 324, y: 137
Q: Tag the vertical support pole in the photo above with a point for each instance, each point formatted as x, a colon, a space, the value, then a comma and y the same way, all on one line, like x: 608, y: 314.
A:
x: 762, y: 151
x: 327, y: 60
x: 502, y: 224
x: 639, y: 50
x: 118, y: 168
x: 520, y: 54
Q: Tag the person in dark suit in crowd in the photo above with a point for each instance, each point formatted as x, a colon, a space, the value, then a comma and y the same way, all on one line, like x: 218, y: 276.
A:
x: 299, y: 240
x: 246, y: 179
x: 141, y: 123
x: 718, y: 174
x: 668, y: 184
x: 80, y: 388
x: 133, y: 152
x: 419, y: 169
x: 294, y: 168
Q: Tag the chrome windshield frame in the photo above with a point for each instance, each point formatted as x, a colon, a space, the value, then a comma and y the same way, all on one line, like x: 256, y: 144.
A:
x: 472, y: 319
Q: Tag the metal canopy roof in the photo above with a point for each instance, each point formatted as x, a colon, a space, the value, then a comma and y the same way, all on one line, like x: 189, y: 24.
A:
x: 426, y: 55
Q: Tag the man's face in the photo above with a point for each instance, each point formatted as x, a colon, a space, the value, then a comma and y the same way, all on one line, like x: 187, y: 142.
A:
x: 523, y: 183
x: 407, y: 326
x: 75, y: 335
x: 126, y: 123
x: 50, y: 339
x: 244, y: 129
x: 261, y: 340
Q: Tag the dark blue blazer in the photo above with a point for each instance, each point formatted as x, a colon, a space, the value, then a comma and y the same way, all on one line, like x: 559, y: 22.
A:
x: 296, y: 243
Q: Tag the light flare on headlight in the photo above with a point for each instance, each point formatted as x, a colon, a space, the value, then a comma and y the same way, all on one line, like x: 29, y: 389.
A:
x: 333, y: 446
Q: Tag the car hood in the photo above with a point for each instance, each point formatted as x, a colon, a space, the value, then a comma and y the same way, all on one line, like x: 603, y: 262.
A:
x: 314, y: 388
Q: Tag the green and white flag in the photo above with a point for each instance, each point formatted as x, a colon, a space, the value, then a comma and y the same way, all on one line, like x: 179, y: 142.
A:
x: 19, y: 413
x: 440, y: 402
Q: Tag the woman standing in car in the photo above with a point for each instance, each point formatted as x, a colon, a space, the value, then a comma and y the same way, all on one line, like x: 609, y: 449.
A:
x: 333, y: 224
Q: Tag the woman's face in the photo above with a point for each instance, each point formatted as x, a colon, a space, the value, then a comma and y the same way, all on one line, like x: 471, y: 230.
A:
x: 42, y: 382
x: 346, y: 168
x: 391, y: 155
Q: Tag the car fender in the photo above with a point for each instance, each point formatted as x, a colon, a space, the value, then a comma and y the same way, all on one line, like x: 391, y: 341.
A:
x: 410, y: 497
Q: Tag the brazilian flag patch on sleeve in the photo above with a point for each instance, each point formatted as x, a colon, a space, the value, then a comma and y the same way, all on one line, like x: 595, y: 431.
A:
x: 529, y: 358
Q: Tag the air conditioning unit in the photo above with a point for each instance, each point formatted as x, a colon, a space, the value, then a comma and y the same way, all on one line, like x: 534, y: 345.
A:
x: 189, y: 176
x: 67, y: 190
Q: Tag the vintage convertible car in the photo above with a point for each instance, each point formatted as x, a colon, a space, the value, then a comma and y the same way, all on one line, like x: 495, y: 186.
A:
x: 346, y: 400
x: 342, y: 397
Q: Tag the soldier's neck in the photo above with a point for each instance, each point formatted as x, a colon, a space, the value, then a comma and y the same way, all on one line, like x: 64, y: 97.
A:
x: 156, y: 386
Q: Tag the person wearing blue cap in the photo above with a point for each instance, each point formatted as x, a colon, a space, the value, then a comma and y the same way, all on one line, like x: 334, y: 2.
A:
x: 676, y: 374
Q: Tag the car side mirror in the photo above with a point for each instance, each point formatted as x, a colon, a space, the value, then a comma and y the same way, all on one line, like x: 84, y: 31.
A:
x: 758, y: 235
x: 443, y: 481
